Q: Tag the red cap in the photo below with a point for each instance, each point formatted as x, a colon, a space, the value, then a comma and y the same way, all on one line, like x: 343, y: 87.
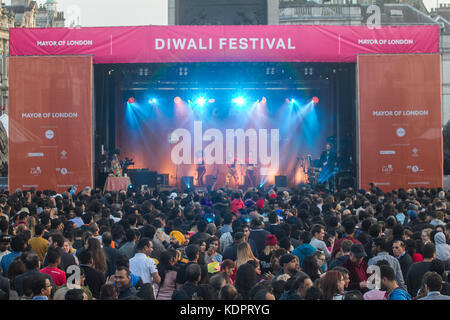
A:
x: 271, y: 240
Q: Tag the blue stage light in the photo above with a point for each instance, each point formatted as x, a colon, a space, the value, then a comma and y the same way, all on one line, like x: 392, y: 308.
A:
x: 200, y: 101
x: 152, y: 100
x: 240, y: 101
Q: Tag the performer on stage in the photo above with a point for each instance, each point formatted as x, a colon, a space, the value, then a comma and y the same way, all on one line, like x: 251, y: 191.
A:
x: 328, y: 163
x: 201, y: 171
x: 250, y: 173
x: 116, y: 168
x: 232, y: 174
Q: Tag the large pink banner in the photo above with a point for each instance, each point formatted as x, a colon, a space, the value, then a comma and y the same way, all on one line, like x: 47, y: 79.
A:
x: 165, y: 44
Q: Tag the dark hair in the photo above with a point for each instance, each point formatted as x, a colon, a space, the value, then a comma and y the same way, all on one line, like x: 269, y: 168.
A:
x: 349, y: 226
x: 38, y: 229
x: 329, y: 284
x: 217, y: 279
x: 374, y: 230
x: 120, y: 268
x: 18, y: 243
x: 57, y: 238
x: 434, y: 282
x: 193, y: 272
x: 191, y: 251
x: 146, y: 292
x: 164, y: 263
x: 381, y: 243
x: 246, y: 278
x: 438, y: 266
x: 143, y: 242
x: 106, y: 239
x: 130, y: 235
x: 85, y: 257
x: 316, y: 229
x: 228, y: 292
x: 87, y: 217
x: 314, y: 293
x: 261, y: 294
x: 278, y: 288
x: 310, y: 267
x: 52, y: 255
x: 296, y: 282
x: 387, y: 272
x: 353, y: 295
x: 205, y: 292
x: 31, y: 260
x: 428, y: 251
x: 74, y: 294
x: 306, y: 237
x: 38, y: 284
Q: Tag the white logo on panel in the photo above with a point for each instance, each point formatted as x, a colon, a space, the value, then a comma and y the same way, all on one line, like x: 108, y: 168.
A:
x: 387, y: 169
x: 49, y: 134
x: 401, y: 132
x: 64, y: 154
x: 415, y: 152
x: 35, y: 171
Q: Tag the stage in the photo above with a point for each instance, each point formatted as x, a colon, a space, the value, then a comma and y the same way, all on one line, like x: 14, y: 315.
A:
x: 227, y: 99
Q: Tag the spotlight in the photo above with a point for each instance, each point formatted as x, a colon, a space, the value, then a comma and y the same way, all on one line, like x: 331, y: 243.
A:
x: 200, y: 101
x: 153, y: 100
x: 177, y: 100
x: 131, y: 100
x: 212, y: 100
x: 315, y: 100
x: 263, y: 100
x: 240, y: 101
x: 293, y: 100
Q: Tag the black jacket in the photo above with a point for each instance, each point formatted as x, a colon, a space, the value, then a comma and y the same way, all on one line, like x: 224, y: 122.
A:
x: 94, y: 280
x: 405, y: 263
x: 185, y: 292
x: 415, y: 275
x: 126, y: 292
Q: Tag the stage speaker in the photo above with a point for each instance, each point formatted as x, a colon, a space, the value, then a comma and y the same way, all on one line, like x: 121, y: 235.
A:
x: 281, y: 181
x: 163, y: 179
x: 143, y: 177
x: 187, y: 182
x: 346, y: 182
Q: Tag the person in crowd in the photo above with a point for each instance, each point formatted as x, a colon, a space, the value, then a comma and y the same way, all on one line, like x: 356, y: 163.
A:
x: 389, y: 284
x: 442, y: 249
x: 41, y: 288
x: 332, y: 285
x: 168, y: 274
x: 418, y: 269
x: 380, y: 251
x: 54, y: 260
x: 244, y: 254
x: 405, y: 260
x: 433, y: 286
x: 95, y: 279
x: 357, y: 267
x: 187, y: 289
x: 212, y: 254
x: 318, y: 234
x: 142, y: 265
x: 38, y: 243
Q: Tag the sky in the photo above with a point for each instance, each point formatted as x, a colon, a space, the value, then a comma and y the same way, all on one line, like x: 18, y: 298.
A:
x: 94, y: 13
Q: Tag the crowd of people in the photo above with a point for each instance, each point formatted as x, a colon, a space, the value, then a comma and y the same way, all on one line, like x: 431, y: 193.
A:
x: 302, y: 244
